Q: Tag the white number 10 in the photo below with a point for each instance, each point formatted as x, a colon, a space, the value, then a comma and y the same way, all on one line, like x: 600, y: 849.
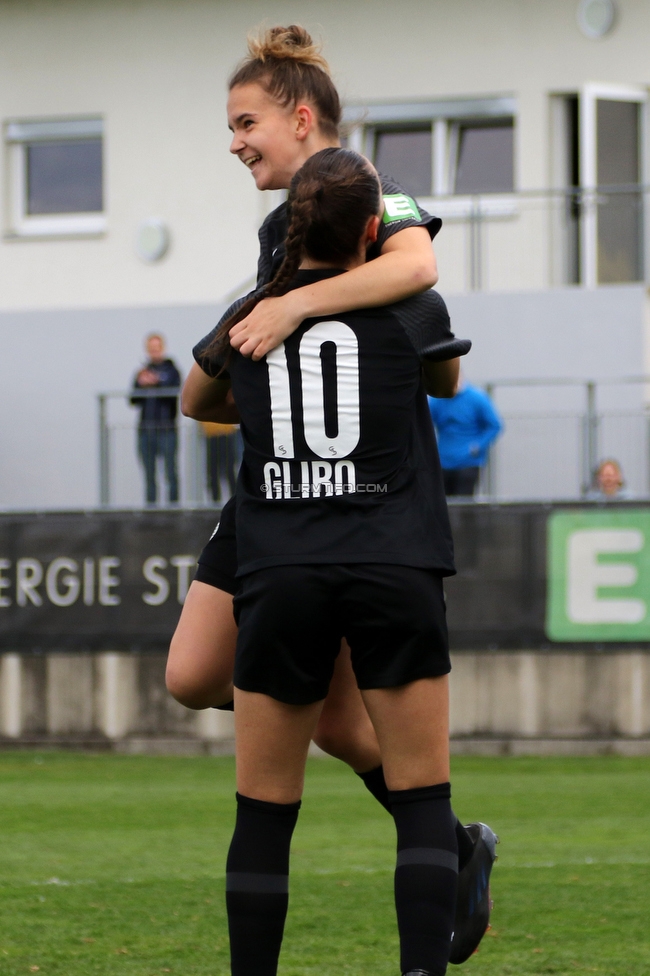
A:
x: 313, y: 393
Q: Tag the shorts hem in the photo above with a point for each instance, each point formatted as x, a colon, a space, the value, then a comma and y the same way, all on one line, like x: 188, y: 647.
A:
x: 286, y: 698
x: 219, y: 580
x: 349, y: 559
x: 426, y: 673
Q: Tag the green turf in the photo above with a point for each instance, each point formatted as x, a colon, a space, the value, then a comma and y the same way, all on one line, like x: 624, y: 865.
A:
x: 114, y: 864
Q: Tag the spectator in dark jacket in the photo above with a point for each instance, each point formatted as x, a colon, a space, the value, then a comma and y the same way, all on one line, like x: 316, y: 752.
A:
x: 465, y: 425
x: 157, y: 434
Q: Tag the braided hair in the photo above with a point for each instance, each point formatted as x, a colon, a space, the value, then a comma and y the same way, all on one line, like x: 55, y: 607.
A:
x: 331, y: 199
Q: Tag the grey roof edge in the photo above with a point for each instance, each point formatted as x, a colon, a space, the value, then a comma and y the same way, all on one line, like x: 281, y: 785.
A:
x: 47, y: 129
x: 416, y: 111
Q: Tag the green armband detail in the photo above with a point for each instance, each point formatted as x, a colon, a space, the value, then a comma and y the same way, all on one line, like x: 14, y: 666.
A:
x: 397, y: 206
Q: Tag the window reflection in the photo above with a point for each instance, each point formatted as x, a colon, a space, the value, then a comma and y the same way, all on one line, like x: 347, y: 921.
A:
x: 619, y: 211
x: 484, y: 159
x: 406, y: 156
x: 64, y: 177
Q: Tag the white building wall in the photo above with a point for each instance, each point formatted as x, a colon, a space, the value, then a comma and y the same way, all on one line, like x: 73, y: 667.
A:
x: 156, y: 71
x: 73, y: 311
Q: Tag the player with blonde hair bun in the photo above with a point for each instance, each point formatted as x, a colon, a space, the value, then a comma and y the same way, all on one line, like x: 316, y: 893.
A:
x: 283, y: 108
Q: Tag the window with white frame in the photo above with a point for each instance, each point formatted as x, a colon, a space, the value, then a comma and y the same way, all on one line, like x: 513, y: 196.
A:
x: 481, y: 156
x: 461, y: 147
x: 56, y: 177
x: 598, y: 148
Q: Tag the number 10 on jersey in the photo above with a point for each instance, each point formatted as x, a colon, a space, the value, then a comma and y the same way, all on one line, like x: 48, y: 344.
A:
x: 346, y: 438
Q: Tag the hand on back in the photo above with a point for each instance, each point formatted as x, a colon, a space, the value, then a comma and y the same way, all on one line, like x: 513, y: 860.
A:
x: 269, y: 324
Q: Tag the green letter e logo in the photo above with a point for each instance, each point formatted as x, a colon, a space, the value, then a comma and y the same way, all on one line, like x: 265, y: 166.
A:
x: 397, y: 206
x: 598, y: 575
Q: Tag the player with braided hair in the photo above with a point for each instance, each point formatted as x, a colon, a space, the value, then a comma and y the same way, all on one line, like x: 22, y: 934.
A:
x: 342, y: 531
x: 283, y: 107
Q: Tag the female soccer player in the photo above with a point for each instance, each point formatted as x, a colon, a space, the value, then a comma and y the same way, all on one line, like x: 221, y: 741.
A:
x: 282, y: 108
x: 342, y: 531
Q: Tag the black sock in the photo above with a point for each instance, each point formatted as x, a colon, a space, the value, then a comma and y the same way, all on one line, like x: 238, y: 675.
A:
x: 465, y: 845
x: 426, y: 876
x: 257, y: 884
x: 374, y: 782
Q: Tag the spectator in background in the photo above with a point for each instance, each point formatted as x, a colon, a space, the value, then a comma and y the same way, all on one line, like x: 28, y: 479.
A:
x: 608, y: 483
x: 223, y: 453
x: 465, y: 425
x: 157, y: 434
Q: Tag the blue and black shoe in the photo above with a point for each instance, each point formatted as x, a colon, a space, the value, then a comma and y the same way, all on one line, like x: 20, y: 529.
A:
x: 473, y: 905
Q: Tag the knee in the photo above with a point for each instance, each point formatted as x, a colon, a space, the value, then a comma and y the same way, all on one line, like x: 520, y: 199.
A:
x: 351, y: 739
x: 330, y: 741
x: 193, y: 691
x: 183, y: 689
x: 337, y: 740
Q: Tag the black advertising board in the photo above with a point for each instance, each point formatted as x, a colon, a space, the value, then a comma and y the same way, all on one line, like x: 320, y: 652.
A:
x: 497, y: 599
x: 97, y: 580
x: 116, y: 580
x: 563, y: 576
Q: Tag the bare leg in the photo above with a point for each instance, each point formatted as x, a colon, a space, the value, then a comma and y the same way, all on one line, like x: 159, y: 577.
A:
x: 272, y: 740
x: 412, y: 726
x: 344, y: 729
x: 202, y: 651
x: 200, y: 667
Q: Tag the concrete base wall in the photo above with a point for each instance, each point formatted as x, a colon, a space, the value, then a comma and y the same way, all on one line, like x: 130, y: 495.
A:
x: 501, y: 703
x: 109, y: 700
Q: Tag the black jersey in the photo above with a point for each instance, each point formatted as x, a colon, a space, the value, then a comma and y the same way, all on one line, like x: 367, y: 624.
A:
x: 400, y: 211
x: 340, y: 462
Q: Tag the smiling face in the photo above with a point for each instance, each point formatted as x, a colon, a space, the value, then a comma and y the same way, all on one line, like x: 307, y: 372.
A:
x: 272, y: 141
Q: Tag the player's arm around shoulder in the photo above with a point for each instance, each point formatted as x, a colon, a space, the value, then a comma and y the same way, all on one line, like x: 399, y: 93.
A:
x: 405, y: 266
x: 412, y: 258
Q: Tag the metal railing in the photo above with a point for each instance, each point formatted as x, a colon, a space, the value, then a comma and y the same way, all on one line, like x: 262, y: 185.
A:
x: 551, y: 448
x: 556, y: 431
x: 121, y: 475
x: 536, y: 239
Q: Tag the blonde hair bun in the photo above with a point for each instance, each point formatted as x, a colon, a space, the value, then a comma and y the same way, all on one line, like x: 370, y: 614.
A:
x: 290, y: 68
x: 292, y: 43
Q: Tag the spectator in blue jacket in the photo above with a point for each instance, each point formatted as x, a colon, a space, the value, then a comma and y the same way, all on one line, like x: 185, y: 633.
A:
x: 157, y: 434
x: 466, y: 425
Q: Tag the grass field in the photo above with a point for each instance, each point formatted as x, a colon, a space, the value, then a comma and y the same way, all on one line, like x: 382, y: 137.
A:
x: 114, y: 864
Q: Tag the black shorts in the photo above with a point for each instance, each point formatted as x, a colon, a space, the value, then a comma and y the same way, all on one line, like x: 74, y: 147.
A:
x: 292, y: 618
x: 217, y: 563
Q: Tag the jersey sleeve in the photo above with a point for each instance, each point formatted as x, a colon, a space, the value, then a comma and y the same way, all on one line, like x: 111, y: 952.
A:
x: 426, y: 321
x: 265, y: 259
x: 401, y: 211
x: 271, y: 237
x: 211, y: 363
